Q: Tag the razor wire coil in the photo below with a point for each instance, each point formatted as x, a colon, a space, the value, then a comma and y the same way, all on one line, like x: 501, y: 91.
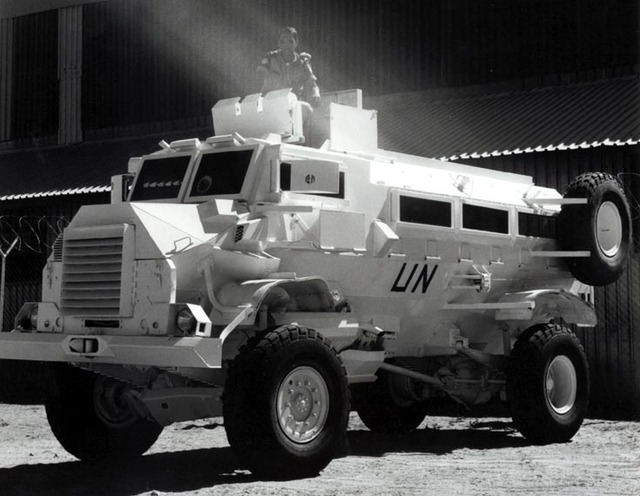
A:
x: 35, y: 234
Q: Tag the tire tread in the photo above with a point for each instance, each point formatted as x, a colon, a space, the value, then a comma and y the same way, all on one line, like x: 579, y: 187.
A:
x: 529, y: 410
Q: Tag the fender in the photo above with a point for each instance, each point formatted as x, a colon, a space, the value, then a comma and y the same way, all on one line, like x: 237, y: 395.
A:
x: 305, y: 294
x: 543, y: 305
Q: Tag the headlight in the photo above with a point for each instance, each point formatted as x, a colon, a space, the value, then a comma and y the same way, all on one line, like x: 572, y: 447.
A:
x: 33, y: 317
x: 27, y: 318
x: 185, y: 321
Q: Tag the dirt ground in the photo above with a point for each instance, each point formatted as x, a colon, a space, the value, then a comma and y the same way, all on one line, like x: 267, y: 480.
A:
x: 447, y: 455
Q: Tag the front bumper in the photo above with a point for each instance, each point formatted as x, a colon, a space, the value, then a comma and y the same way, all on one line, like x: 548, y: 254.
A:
x: 152, y: 351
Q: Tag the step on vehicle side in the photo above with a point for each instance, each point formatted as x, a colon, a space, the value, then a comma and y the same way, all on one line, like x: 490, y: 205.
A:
x: 281, y: 285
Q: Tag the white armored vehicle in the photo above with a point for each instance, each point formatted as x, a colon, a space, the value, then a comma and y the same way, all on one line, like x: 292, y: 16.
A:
x: 281, y: 285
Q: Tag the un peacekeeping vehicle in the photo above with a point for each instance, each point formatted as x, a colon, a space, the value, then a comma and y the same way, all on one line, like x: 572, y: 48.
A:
x: 281, y: 285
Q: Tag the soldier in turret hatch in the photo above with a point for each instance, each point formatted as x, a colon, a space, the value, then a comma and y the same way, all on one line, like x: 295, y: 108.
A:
x: 285, y: 68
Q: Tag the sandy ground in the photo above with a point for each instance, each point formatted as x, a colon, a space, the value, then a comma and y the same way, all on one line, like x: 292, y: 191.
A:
x: 447, y: 455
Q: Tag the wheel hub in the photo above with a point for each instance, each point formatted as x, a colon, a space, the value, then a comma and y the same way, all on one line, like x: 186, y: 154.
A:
x: 110, y: 403
x: 302, y: 404
x: 609, y: 228
x: 561, y: 384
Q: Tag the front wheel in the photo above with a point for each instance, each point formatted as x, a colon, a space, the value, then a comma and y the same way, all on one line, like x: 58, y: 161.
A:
x: 91, y: 418
x: 548, y: 384
x: 286, y: 404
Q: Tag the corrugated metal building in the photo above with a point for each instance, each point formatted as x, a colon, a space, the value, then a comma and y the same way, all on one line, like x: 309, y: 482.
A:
x: 541, y: 87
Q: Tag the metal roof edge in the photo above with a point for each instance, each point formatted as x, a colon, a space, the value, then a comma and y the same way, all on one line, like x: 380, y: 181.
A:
x: 485, y: 91
x: 538, y: 149
x: 66, y: 192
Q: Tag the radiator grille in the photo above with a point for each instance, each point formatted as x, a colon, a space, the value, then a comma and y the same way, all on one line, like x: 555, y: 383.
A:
x: 92, y: 273
x: 57, y: 248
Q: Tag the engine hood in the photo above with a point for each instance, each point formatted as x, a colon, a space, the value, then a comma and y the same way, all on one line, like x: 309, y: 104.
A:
x: 162, y: 230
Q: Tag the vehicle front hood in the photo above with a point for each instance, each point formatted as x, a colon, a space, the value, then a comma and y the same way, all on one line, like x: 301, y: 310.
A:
x: 161, y: 229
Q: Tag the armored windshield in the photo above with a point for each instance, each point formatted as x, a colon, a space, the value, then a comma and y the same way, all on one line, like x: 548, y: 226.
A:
x: 160, y: 178
x: 221, y: 173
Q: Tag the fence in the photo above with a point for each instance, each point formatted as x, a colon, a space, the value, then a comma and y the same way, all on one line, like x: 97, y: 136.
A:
x: 26, y: 241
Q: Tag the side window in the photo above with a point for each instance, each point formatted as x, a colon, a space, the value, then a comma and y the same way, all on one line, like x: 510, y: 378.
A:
x: 424, y: 211
x: 485, y: 219
x: 542, y: 226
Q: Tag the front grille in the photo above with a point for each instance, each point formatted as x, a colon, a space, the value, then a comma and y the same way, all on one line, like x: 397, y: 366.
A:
x: 57, y: 248
x: 92, y: 273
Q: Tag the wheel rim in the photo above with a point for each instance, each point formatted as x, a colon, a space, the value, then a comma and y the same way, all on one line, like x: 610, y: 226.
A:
x: 609, y: 228
x: 302, y: 404
x: 561, y: 384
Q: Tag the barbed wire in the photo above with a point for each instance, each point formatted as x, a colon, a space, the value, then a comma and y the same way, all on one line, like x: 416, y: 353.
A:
x: 35, y: 234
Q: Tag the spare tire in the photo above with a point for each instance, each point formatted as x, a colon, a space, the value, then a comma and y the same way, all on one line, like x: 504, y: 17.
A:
x: 602, y: 226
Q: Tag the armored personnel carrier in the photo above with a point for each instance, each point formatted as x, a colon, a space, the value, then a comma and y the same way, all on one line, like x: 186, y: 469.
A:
x: 281, y: 285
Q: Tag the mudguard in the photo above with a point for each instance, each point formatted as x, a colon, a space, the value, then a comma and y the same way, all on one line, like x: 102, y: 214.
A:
x: 543, y: 305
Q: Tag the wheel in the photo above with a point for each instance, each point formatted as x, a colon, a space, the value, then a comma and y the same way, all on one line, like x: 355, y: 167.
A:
x: 386, y: 405
x: 548, y: 384
x: 91, y: 419
x: 286, y: 404
x: 604, y: 228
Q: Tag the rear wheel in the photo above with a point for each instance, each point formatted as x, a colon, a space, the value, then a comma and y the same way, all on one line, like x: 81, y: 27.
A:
x: 286, y: 404
x: 548, y: 384
x: 92, y: 419
x: 387, y: 405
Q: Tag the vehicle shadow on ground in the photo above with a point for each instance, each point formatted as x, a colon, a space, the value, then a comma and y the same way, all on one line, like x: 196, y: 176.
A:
x: 482, y: 435
x: 179, y: 471
x: 190, y: 470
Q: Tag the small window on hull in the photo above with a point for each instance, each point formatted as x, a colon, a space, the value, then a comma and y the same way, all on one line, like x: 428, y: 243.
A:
x: 485, y: 219
x: 424, y: 211
x: 541, y: 226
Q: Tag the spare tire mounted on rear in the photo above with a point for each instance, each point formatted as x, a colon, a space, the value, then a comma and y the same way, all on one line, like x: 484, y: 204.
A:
x: 602, y: 227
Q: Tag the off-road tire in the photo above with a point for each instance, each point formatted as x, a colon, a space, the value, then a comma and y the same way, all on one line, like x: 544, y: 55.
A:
x: 80, y: 430
x: 548, y: 384
x: 383, y: 411
x: 602, y: 226
x: 291, y: 366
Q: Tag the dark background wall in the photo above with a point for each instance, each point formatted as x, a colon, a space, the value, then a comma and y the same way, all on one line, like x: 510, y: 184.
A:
x: 35, y: 75
x: 146, y: 61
